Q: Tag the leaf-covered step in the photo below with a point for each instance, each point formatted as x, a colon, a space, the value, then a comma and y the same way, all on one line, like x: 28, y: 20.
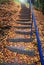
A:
x: 23, y: 32
x: 20, y: 50
x: 24, y: 23
x: 24, y: 17
x: 20, y: 39
x: 24, y: 13
x: 23, y: 20
x: 24, y: 10
x: 15, y: 63
x: 23, y: 27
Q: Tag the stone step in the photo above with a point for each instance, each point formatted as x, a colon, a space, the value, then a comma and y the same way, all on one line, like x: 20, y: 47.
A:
x: 23, y: 32
x: 20, y: 39
x: 22, y: 17
x: 24, y: 10
x: 23, y: 27
x: 15, y: 63
x: 20, y: 50
x: 24, y: 23
x: 23, y: 20
x: 24, y: 13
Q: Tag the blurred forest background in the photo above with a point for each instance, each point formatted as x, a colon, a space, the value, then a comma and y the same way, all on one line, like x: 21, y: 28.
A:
x: 39, y: 4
